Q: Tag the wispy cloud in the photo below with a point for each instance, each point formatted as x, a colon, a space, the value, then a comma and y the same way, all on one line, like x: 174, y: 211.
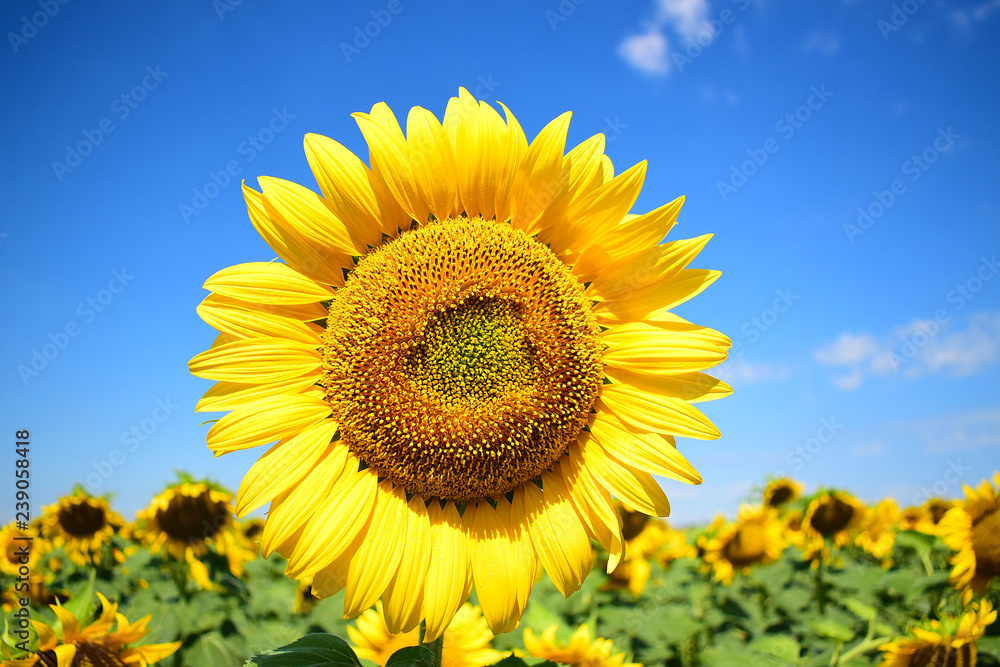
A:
x: 949, y: 433
x: 649, y: 50
x: 741, y: 372
x: 922, y: 347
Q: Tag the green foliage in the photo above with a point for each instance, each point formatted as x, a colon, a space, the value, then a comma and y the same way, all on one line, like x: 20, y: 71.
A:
x: 315, y: 650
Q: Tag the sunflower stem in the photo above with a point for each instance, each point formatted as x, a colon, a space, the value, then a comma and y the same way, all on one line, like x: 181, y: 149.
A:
x: 863, y: 647
x: 820, y: 587
x: 436, y: 647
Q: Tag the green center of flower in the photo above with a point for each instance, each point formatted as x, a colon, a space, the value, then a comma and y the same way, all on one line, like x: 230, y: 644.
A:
x: 986, y: 544
x: 460, y: 359
x: 81, y: 519
x: 476, y: 352
x: 831, y: 516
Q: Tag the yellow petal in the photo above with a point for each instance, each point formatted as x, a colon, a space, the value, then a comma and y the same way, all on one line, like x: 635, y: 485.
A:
x: 599, y: 211
x: 635, y: 488
x: 290, y: 510
x: 620, y: 280
x: 283, y: 466
x: 557, y: 533
x: 467, y: 146
x: 70, y: 626
x: 390, y: 163
x: 432, y: 161
x: 223, y: 396
x: 334, y: 523
x: 662, y: 348
x: 345, y: 183
x: 322, y: 262
x: 448, y: 569
x: 492, y: 565
x: 267, y: 420
x: 240, y: 320
x: 47, y: 638
x: 514, y: 147
x: 662, y: 294
x: 65, y: 654
x: 377, y: 558
x: 267, y: 282
x: 652, y: 413
x: 651, y: 452
x: 525, y: 567
x: 151, y: 653
x: 592, y: 500
x: 402, y: 600
x: 256, y: 360
x: 538, y: 180
x: 691, y: 387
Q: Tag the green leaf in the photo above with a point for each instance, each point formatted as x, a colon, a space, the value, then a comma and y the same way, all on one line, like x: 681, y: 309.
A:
x: 919, y: 542
x: 81, y: 601
x: 315, y: 650
x: 213, y: 649
x: 989, y: 646
x: 832, y: 629
x: 411, y: 656
x: 859, y: 608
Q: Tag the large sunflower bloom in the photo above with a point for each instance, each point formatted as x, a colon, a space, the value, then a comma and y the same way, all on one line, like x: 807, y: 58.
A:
x: 973, y: 530
x: 186, y: 521
x: 466, y: 641
x: 580, y: 650
x: 95, y: 644
x: 947, y: 643
x: 82, y: 526
x: 781, y: 491
x: 467, y: 350
x: 754, y: 539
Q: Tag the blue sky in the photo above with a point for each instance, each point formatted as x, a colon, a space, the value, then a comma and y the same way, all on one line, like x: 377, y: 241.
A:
x: 843, y: 154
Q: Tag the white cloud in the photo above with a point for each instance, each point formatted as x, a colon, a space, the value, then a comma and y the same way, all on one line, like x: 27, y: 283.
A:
x: 970, y: 430
x: 867, y: 450
x: 740, y: 371
x: 648, y: 51
x: 848, y: 349
x: 922, y: 347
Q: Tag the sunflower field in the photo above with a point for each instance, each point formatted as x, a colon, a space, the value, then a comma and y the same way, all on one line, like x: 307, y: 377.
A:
x: 816, y: 580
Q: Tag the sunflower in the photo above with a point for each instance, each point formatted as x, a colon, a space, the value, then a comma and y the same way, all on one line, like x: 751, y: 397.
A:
x: 950, y: 642
x: 93, y: 645
x: 782, y: 491
x: 82, y: 526
x: 833, y: 518
x: 467, y: 350
x: 791, y: 528
x: 37, y: 591
x: 304, y: 600
x: 655, y: 540
x: 878, y: 530
x: 754, y: 539
x: 18, y: 549
x: 187, y: 521
x: 466, y: 641
x: 973, y: 530
x: 580, y: 650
